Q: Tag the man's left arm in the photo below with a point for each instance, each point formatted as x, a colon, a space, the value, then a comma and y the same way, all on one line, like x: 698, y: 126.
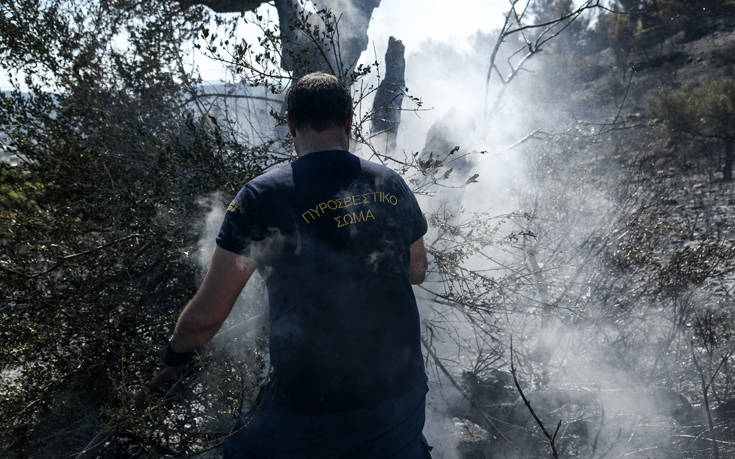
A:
x: 419, y: 262
x: 212, y: 303
x: 416, y: 226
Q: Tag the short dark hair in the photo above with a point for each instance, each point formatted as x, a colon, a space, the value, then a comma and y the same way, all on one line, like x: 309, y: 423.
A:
x: 318, y: 100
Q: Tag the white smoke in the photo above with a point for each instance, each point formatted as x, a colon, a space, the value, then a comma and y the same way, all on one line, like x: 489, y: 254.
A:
x: 249, y: 311
x: 450, y: 78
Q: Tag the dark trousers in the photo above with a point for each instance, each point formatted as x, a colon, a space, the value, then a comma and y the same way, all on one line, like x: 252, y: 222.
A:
x: 390, y: 429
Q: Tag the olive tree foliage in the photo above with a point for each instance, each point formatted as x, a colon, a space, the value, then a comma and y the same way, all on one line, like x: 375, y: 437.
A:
x: 99, y: 218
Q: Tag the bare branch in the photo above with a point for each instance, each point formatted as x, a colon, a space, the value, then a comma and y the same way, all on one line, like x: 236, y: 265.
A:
x: 480, y: 411
x: 69, y: 257
x: 705, y: 391
x: 552, y: 439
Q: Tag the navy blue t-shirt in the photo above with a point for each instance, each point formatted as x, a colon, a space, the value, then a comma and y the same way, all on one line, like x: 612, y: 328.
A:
x: 331, y: 235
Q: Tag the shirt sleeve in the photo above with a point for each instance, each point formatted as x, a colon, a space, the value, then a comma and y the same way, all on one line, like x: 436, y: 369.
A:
x: 241, y: 225
x: 415, y: 219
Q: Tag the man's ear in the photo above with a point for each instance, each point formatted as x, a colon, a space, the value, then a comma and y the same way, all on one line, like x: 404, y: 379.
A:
x: 348, y: 124
x: 291, y: 127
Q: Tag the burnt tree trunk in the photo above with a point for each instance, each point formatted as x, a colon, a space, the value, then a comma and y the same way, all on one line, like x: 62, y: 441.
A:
x: 301, y: 55
x: 354, y: 19
x: 389, y: 96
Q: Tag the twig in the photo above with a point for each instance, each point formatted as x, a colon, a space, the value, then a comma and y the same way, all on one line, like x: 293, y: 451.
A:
x: 533, y: 46
x: 69, y: 257
x: 622, y: 104
x: 599, y: 431
x: 585, y: 6
x: 705, y: 389
x: 233, y: 96
x: 532, y: 135
x: 141, y: 400
x: 493, y: 55
x: 462, y: 392
x: 717, y: 370
x: 697, y: 437
x: 552, y: 439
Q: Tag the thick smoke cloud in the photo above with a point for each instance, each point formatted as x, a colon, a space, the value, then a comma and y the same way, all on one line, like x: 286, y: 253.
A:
x: 545, y: 213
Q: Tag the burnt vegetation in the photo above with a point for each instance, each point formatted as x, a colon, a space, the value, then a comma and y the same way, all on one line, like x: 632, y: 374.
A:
x: 593, y: 320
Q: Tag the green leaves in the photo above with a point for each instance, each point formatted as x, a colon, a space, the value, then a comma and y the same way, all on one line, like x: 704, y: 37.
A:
x: 111, y: 153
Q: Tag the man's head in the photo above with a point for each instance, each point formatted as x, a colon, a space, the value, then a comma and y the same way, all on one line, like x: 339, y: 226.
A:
x: 319, y: 112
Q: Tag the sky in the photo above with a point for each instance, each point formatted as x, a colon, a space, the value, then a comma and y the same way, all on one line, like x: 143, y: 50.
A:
x: 417, y: 21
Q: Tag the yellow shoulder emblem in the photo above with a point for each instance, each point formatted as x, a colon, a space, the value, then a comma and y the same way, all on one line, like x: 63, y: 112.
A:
x: 235, y: 207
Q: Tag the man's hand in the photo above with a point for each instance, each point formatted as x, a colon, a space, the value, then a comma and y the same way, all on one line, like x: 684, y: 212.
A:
x: 419, y: 263
x: 212, y: 303
x: 205, y: 313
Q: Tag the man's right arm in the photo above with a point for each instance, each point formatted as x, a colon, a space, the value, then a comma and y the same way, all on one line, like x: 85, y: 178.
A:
x: 204, y: 314
x: 419, y: 262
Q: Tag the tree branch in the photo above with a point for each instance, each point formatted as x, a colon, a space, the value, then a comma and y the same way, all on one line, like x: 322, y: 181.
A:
x: 69, y: 257
x: 462, y: 392
x: 705, y: 390
x: 552, y: 439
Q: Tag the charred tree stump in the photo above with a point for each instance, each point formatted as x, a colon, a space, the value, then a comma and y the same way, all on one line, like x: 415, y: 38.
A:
x: 389, y: 96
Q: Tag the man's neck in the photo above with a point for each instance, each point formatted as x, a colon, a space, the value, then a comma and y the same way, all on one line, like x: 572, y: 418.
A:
x: 320, y: 148
x: 309, y: 141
